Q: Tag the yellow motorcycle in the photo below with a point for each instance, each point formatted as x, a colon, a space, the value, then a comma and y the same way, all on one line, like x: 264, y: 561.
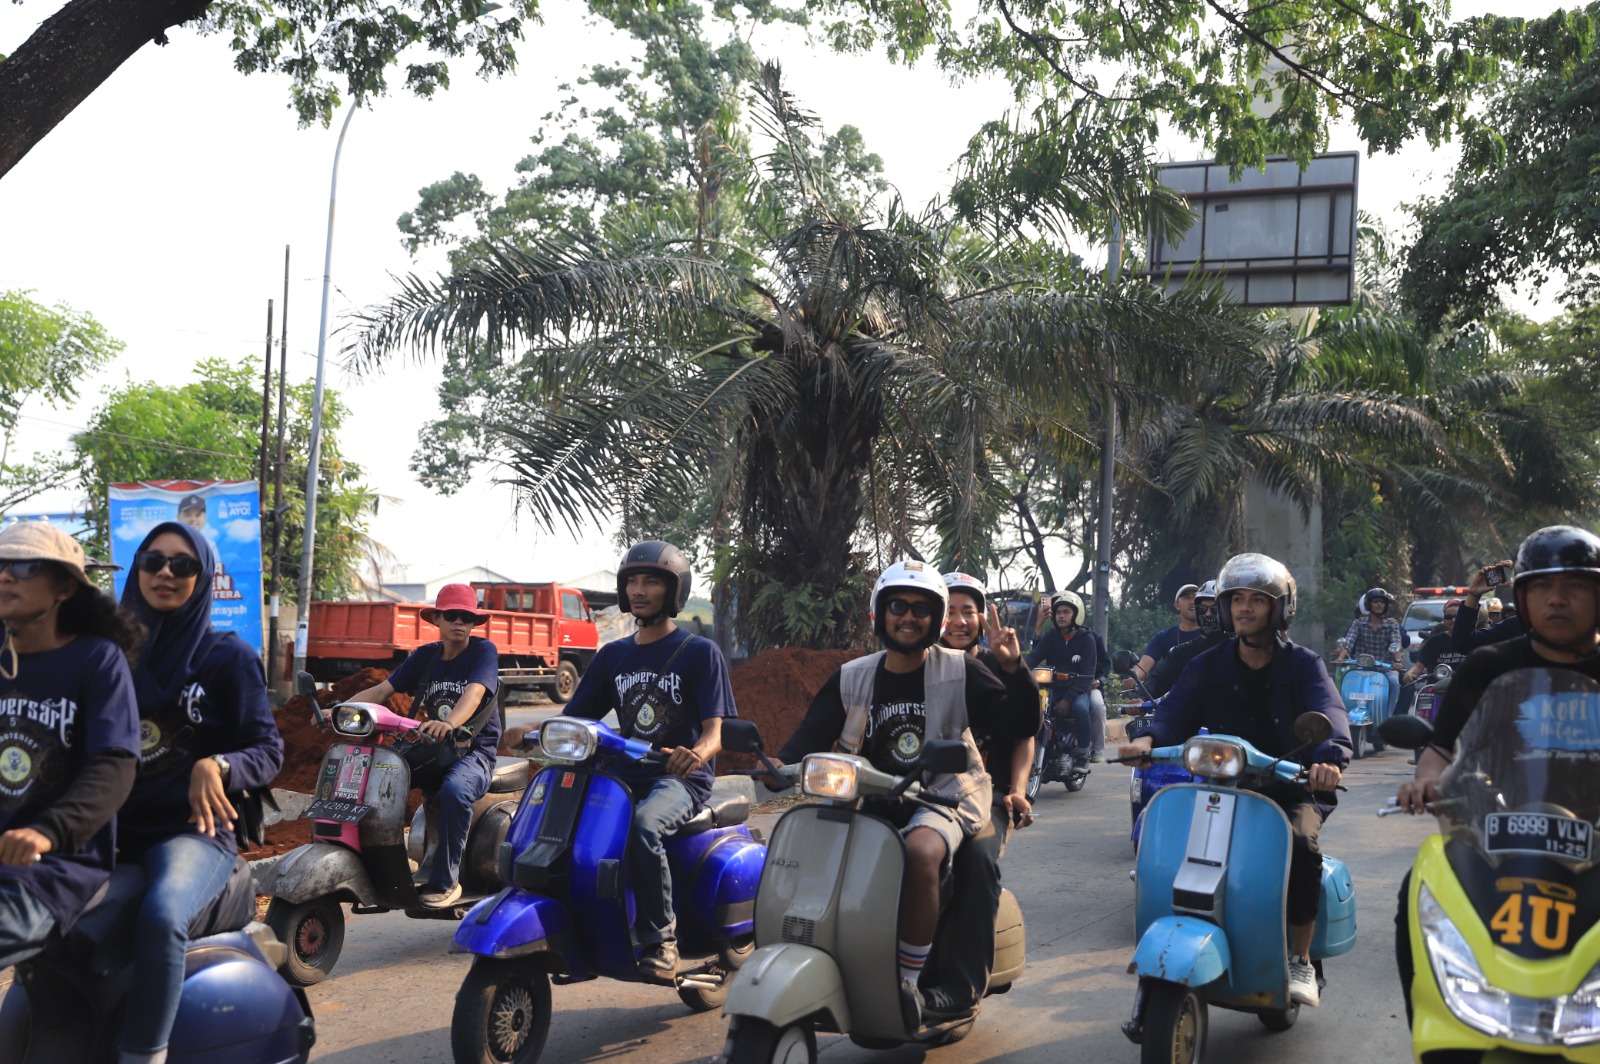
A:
x: 1504, y: 903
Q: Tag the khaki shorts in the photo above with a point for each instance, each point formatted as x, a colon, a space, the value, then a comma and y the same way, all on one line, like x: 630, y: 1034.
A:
x: 946, y: 824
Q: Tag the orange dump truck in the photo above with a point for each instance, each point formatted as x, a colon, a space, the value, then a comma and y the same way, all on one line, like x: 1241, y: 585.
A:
x: 545, y: 634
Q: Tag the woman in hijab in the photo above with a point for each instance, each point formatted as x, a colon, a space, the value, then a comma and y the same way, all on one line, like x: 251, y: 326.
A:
x: 205, y: 730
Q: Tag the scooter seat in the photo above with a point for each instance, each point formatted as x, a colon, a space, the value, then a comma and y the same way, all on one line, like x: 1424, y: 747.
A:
x: 723, y: 811
x: 510, y: 775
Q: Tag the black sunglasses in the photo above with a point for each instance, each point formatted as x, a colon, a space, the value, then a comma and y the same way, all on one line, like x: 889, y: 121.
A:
x: 22, y: 570
x: 920, y: 610
x: 459, y: 617
x: 153, y: 561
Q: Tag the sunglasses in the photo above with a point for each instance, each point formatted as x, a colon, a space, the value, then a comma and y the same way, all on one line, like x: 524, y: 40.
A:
x: 153, y: 561
x: 920, y: 610
x: 459, y: 617
x: 22, y: 570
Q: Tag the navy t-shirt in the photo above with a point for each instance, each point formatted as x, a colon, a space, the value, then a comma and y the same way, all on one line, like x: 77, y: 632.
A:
x: 1165, y: 641
x: 222, y: 710
x: 693, y: 689
x: 434, y: 694
x: 65, y: 707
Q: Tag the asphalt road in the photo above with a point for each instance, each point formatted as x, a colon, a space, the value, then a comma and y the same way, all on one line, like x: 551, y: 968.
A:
x: 390, y: 998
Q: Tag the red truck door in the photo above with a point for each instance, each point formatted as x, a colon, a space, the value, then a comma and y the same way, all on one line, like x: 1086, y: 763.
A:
x: 577, y: 630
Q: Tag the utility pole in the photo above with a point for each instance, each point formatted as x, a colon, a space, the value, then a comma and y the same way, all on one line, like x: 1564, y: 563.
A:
x: 266, y: 417
x: 308, y: 553
x: 1108, y: 462
x: 274, y: 596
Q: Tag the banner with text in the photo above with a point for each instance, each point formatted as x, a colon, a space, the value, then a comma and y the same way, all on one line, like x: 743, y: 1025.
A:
x: 226, y: 512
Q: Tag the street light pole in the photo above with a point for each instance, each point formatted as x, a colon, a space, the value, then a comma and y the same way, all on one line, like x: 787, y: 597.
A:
x: 1108, y: 464
x: 308, y: 546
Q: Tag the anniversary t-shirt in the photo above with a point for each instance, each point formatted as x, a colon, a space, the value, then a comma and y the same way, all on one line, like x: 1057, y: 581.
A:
x: 435, y: 691
x: 65, y: 707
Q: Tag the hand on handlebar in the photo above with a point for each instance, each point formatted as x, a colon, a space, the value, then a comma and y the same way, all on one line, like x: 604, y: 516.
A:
x: 435, y: 730
x: 1321, y: 777
x: 1415, y: 795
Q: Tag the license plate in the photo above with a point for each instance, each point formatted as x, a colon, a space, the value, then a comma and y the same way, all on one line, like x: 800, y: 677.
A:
x: 1363, y: 698
x: 1541, y: 833
x: 337, y: 810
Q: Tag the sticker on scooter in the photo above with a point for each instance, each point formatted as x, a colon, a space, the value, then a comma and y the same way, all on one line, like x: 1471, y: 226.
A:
x: 536, y: 795
x: 1538, y: 833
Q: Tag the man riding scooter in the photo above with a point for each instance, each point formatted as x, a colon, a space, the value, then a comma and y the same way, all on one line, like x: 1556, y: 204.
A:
x: 1255, y: 687
x: 1377, y: 634
x: 885, y: 706
x: 1070, y: 648
x: 1168, y: 669
x: 669, y: 688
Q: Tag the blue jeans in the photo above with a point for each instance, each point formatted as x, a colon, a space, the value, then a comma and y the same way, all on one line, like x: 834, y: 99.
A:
x: 1078, y: 708
x: 665, y: 808
x: 179, y: 876
x: 25, y: 924
x: 464, y: 783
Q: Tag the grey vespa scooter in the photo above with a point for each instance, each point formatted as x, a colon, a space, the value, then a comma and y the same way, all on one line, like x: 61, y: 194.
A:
x: 828, y: 910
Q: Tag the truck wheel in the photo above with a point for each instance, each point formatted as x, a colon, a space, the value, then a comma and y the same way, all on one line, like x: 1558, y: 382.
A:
x: 1174, y: 1024
x: 314, y: 933
x: 759, y: 1042
x: 502, y: 1014
x: 566, y: 683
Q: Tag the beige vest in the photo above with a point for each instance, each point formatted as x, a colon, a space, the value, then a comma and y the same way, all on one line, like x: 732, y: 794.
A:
x: 944, y: 680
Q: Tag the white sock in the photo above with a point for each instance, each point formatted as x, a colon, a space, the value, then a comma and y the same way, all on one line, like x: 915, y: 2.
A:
x: 912, y: 960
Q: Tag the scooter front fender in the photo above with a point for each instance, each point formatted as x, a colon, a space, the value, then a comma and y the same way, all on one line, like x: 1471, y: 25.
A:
x: 516, y: 924
x: 317, y: 870
x: 1182, y: 949
x: 786, y: 983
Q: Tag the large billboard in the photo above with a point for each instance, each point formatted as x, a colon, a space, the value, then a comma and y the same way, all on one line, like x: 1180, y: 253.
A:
x: 226, y: 512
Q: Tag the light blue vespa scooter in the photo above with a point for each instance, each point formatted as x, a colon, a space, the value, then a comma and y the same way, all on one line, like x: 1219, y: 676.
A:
x: 1365, y: 687
x: 1212, y: 877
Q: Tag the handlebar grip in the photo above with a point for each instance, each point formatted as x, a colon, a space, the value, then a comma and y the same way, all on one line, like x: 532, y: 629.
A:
x: 939, y: 799
x: 658, y: 756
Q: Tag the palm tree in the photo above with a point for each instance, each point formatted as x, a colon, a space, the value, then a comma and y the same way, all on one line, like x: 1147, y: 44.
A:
x: 831, y: 380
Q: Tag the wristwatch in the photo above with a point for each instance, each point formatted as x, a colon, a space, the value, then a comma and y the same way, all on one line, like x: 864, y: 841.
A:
x: 227, y: 769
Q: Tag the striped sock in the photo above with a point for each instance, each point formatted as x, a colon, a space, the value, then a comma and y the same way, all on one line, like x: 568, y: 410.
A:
x: 912, y: 958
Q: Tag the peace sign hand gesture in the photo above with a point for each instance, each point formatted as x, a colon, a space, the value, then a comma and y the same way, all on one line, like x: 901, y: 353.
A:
x: 1002, y: 641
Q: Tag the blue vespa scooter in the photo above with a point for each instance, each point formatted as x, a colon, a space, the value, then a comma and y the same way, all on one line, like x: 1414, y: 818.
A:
x: 1210, y: 897
x: 1365, y: 686
x: 566, y: 914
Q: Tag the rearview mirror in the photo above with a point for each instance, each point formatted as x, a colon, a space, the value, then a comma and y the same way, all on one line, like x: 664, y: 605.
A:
x: 740, y: 736
x: 1406, y: 731
x: 1123, y: 661
x: 943, y: 756
x: 305, y: 685
x: 1313, y: 729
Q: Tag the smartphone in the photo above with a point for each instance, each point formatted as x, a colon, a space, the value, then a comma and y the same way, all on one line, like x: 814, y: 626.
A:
x: 1497, y: 575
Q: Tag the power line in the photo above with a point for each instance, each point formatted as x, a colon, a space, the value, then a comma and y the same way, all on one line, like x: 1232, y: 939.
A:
x: 160, y: 444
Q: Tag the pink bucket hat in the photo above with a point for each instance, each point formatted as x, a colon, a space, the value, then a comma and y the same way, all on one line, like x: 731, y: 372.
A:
x: 453, y: 597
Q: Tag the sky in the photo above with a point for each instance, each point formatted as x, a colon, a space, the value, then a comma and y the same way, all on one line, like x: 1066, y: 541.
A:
x: 162, y: 205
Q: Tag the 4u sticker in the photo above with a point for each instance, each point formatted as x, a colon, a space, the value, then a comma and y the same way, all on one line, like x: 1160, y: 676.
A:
x: 1536, y: 910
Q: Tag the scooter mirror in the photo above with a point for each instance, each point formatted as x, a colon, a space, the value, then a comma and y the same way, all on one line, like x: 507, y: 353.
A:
x: 305, y: 685
x: 943, y: 756
x: 1313, y: 728
x: 740, y: 736
x: 1408, y: 732
x: 1123, y: 661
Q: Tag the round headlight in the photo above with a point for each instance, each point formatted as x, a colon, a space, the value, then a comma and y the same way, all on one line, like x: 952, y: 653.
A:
x: 568, y: 739
x: 1043, y: 675
x: 352, y: 720
x: 1443, y: 673
x: 1215, y: 759
x: 1366, y: 661
x: 830, y: 776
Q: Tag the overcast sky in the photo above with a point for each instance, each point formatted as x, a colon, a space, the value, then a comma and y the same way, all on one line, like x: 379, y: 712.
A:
x: 163, y: 203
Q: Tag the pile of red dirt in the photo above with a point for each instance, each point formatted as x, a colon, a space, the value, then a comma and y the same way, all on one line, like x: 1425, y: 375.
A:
x: 773, y: 690
x: 304, y: 743
x: 281, y: 837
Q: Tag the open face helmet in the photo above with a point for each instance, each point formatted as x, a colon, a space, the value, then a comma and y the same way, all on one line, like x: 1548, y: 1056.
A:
x: 1377, y: 594
x: 1205, y: 608
x: 1256, y: 572
x: 910, y: 575
x: 971, y: 585
x: 1556, y: 549
x: 666, y: 561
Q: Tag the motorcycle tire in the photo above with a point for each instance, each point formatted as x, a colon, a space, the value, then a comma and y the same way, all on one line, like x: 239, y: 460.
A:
x: 502, y: 1014
x: 1035, y: 775
x: 759, y: 1042
x: 1174, y: 1024
x: 314, y: 933
x: 703, y: 999
x: 1358, y: 741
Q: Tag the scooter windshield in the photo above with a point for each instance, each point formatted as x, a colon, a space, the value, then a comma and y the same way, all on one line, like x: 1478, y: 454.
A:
x: 1526, y: 778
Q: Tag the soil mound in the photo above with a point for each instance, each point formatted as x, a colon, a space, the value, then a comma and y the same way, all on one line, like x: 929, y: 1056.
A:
x: 773, y: 690
x: 304, y: 743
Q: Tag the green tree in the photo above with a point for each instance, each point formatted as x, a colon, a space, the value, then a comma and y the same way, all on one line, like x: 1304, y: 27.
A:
x: 328, y: 48
x: 44, y: 353
x: 209, y: 430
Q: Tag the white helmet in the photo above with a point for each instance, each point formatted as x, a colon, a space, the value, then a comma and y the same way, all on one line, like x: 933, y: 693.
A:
x: 914, y: 576
x: 969, y: 584
x: 1068, y: 598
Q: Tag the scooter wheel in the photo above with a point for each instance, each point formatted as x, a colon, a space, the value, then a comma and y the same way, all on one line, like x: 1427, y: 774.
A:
x: 759, y: 1042
x: 314, y: 933
x: 702, y: 999
x: 1174, y: 1025
x: 1358, y: 741
x: 502, y: 1014
x: 1279, y: 1019
x: 1035, y: 776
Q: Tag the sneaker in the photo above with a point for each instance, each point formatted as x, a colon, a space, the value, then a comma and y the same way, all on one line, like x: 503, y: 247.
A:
x: 941, y: 1006
x: 1303, y: 982
x: 659, y: 963
x: 910, y: 1006
x: 1094, y: 757
x: 1080, y: 762
x: 440, y: 897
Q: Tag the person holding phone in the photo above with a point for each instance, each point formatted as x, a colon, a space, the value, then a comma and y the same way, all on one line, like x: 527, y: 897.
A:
x: 1465, y: 635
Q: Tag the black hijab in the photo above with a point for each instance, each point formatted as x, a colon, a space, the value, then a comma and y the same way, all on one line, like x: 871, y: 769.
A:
x: 179, y: 639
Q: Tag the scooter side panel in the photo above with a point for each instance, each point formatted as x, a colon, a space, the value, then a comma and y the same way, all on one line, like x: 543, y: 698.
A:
x: 1182, y: 949
x: 1010, y: 942
x: 787, y: 982
x: 1254, y: 891
x: 1336, y: 921
x: 1356, y: 688
x: 869, y: 916
x: 601, y: 894
x: 234, y: 1006
x: 714, y: 879
x: 317, y: 870
x: 517, y: 924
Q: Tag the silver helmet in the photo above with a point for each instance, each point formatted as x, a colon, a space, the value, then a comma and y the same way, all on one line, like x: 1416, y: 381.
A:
x: 1256, y: 572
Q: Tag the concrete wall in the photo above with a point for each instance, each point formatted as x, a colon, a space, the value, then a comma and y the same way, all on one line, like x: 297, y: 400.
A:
x: 1273, y: 525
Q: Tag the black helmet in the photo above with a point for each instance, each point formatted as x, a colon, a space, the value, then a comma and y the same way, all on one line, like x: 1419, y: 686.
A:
x: 1256, y: 572
x: 662, y: 558
x: 1374, y: 595
x: 1557, y: 549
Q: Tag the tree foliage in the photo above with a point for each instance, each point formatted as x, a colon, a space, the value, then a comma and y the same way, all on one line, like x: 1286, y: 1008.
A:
x: 208, y: 429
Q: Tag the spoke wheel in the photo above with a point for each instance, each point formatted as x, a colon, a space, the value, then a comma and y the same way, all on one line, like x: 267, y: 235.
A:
x: 502, y: 1014
x: 1036, y: 773
x: 1174, y: 1025
x: 314, y: 933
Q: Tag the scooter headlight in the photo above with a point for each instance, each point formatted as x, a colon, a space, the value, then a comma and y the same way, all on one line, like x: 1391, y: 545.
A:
x: 1443, y: 673
x: 1570, y: 1020
x: 1366, y: 661
x: 1214, y: 759
x: 568, y: 739
x: 830, y: 776
x: 1043, y: 675
x: 352, y: 720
